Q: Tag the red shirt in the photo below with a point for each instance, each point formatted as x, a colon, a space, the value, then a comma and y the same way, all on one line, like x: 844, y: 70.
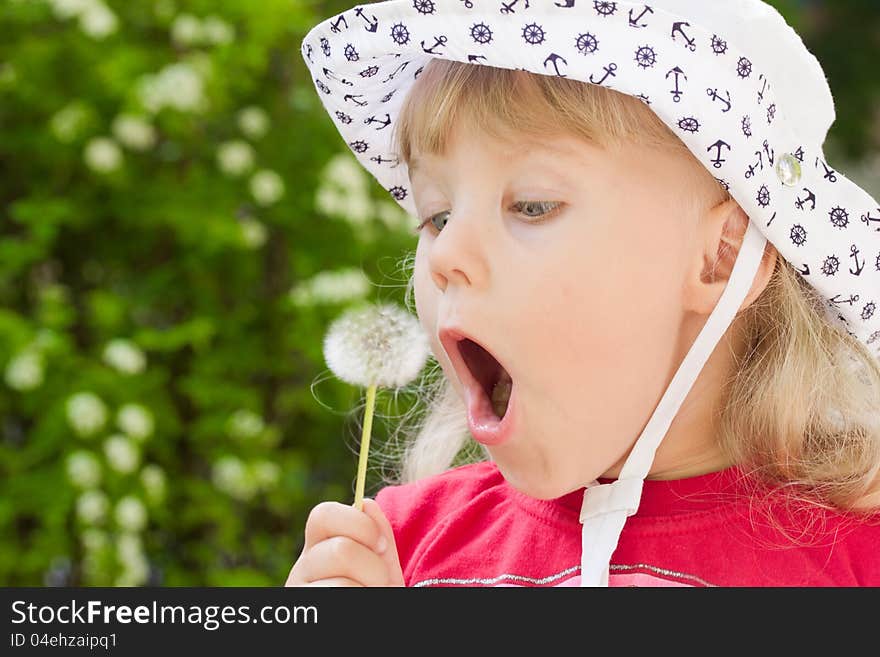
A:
x: 469, y: 527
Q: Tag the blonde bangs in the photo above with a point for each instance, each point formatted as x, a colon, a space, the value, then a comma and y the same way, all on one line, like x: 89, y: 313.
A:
x: 514, y: 105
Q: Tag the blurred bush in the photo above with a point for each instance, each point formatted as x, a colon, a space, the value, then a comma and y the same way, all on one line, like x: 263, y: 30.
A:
x: 180, y: 222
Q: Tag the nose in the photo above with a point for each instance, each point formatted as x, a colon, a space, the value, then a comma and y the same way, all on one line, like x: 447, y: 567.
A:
x: 458, y: 253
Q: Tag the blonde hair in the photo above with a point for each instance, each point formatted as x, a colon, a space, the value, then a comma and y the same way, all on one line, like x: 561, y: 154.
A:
x: 802, y: 405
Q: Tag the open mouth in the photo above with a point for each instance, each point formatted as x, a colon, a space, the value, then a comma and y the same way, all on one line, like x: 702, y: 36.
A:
x: 494, y: 380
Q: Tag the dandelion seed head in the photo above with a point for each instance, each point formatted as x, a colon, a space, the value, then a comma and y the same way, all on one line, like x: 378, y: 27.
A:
x: 376, y: 344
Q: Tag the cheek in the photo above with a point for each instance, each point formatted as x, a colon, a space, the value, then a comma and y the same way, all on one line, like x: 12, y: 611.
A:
x: 426, y: 298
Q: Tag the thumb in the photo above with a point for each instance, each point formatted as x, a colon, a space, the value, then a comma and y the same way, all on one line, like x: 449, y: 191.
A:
x: 372, y: 509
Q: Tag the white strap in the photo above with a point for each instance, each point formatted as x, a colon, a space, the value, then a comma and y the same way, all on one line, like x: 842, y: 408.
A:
x: 620, y: 495
x: 606, y: 507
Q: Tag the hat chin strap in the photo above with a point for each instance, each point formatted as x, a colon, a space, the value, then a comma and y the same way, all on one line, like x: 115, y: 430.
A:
x: 607, y: 506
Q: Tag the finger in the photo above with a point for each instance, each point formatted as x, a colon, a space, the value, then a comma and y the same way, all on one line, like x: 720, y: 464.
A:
x: 334, y: 581
x: 340, y: 556
x: 390, y: 555
x: 335, y: 519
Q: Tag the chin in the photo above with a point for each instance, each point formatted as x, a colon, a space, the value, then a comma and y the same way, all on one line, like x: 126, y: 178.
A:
x: 538, y: 485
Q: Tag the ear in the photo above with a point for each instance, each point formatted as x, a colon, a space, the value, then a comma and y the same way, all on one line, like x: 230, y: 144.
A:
x: 720, y: 235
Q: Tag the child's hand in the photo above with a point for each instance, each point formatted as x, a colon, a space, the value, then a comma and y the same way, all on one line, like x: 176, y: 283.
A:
x: 342, y: 548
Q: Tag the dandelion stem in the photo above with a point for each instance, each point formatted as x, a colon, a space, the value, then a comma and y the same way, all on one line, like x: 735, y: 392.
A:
x: 365, y: 448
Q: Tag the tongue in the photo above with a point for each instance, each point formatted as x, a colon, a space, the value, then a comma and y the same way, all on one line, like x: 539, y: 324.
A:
x: 501, y: 394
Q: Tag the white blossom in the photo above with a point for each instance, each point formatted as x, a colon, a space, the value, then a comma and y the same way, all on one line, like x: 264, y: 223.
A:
x: 24, y: 371
x: 231, y: 476
x: 253, y: 233
x: 357, y: 208
x: 267, y: 187
x: 91, y: 506
x: 267, y: 474
x: 186, y: 30
x: 344, y: 173
x: 122, y: 453
x: 131, y: 514
x: 135, y: 572
x: 380, y: 344
x: 344, y: 191
x: 67, y: 123
x: 235, y: 157
x: 253, y: 121
x: 64, y: 9
x: 83, y: 469
x: 124, y: 356
x: 135, y: 420
x: 244, y: 424
x: 153, y: 481
x: 128, y: 544
x: 103, y: 155
x: 178, y: 85
x: 329, y: 287
x: 98, y: 21
x: 93, y: 539
x: 134, y: 131
x: 329, y: 201
x: 217, y: 31
x: 86, y: 413
x: 130, y: 553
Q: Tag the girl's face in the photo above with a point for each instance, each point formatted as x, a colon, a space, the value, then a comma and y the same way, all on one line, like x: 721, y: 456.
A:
x: 587, y: 309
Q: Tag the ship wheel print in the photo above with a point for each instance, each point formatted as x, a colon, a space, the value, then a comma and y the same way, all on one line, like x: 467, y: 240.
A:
x: 424, y: 6
x: 831, y: 265
x: 533, y: 34
x: 798, y: 235
x: 839, y: 217
x: 763, y: 196
x: 743, y: 68
x: 868, y: 310
x: 719, y: 45
x: 398, y: 192
x: 689, y: 124
x: 359, y: 146
x: 605, y: 8
x: 586, y: 44
x: 747, y: 126
x: 645, y: 57
x: 400, y: 34
x: 481, y: 33
x: 351, y: 54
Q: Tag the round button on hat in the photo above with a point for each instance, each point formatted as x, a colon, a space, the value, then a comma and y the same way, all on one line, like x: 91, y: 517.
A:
x: 731, y: 79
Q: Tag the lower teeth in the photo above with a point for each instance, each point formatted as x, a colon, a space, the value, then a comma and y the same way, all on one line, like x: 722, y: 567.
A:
x: 501, y: 396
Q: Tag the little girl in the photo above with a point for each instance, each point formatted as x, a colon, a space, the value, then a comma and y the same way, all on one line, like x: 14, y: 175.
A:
x: 654, y: 306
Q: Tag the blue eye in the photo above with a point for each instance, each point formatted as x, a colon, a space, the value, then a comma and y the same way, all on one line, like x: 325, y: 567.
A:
x: 547, y: 214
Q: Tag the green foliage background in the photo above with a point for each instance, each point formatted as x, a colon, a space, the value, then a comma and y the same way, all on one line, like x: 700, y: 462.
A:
x: 221, y: 279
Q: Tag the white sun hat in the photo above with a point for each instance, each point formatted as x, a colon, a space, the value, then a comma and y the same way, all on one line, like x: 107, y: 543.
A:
x: 730, y: 77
